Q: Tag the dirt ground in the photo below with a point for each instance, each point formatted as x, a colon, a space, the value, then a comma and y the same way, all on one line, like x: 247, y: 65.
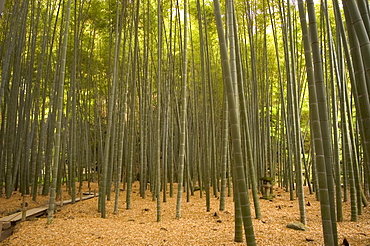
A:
x: 80, y: 223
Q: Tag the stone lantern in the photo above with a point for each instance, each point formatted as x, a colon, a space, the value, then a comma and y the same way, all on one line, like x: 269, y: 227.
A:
x: 267, y: 183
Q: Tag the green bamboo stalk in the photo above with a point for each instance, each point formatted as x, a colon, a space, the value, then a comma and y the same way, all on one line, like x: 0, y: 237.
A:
x: 225, y: 141
x: 122, y: 128
x: 334, y: 75
x: 360, y: 91
x: 296, y: 124
x: 133, y: 79
x: 204, y: 170
x: 238, y: 223
x: 245, y: 124
x: 158, y: 115
x: 351, y: 163
x: 235, y: 131
x: 363, y: 7
x: 314, y: 76
x: 105, y: 182
x: 183, y: 113
x: 354, y: 17
x: 59, y: 109
x: 323, y: 113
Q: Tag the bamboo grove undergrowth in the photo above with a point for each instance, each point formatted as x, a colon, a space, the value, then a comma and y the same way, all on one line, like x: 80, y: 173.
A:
x: 215, y: 96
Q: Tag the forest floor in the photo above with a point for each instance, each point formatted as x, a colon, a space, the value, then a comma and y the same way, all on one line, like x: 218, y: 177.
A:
x: 80, y: 223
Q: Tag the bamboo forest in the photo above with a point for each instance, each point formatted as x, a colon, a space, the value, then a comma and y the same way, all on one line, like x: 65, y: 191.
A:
x: 184, y: 98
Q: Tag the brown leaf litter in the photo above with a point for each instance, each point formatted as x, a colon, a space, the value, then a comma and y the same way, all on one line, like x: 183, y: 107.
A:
x: 80, y: 223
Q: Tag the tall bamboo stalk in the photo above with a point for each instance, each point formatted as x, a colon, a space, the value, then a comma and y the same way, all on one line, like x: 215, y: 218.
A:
x: 59, y: 114
x: 322, y: 136
x: 235, y: 131
x: 183, y: 112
